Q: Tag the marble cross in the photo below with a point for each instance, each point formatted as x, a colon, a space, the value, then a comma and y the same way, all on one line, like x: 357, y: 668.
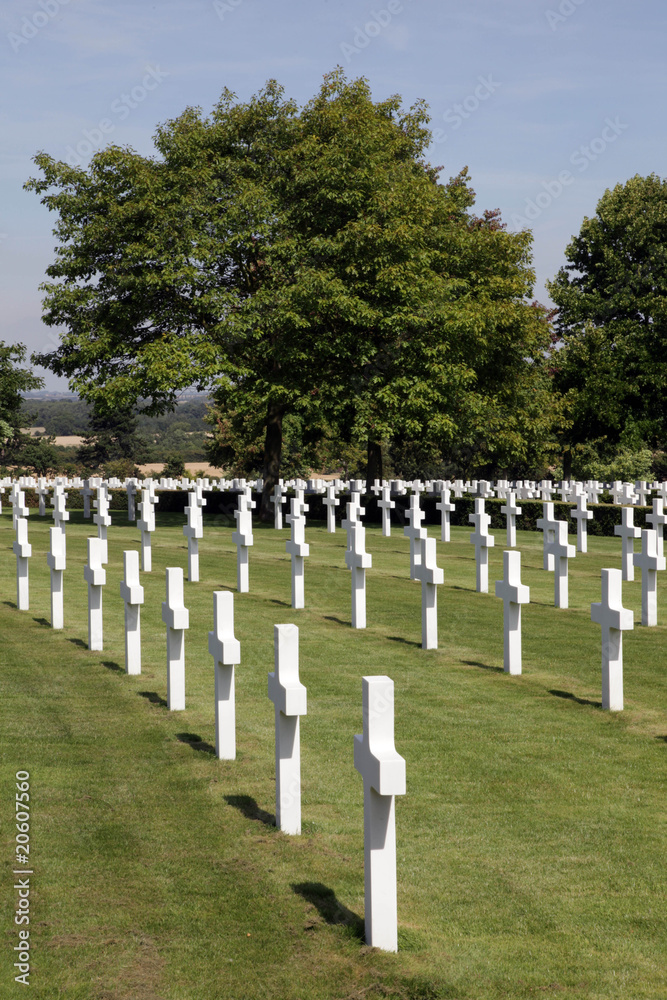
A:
x: 626, y: 529
x: 482, y: 541
x: 23, y: 551
x: 386, y: 505
x: 298, y: 549
x: 446, y: 508
x: 548, y: 525
x: 414, y: 531
x: 56, y: 560
x: 226, y: 652
x: 331, y: 501
x: 95, y: 576
x: 513, y: 594
x: 358, y: 561
x: 649, y: 562
x: 288, y: 695
x: 243, y: 539
x: 278, y: 499
x: 510, y: 510
x: 177, y: 618
x: 146, y: 525
x: 614, y: 619
x: 383, y: 771
x: 561, y: 551
x: 658, y: 519
x: 430, y: 576
x: 132, y: 594
x: 582, y: 515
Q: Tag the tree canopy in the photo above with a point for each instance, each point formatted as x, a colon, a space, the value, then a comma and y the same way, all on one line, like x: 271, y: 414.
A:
x: 299, y: 261
x: 14, y: 381
x: 612, y: 318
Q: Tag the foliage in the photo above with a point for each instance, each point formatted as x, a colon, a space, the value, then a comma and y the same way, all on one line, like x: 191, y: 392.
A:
x: 174, y: 467
x: 14, y: 381
x: 612, y: 317
x: 40, y: 456
x: 112, y: 437
x: 303, y: 262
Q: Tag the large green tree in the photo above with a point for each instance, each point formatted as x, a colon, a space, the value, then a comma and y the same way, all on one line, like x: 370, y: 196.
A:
x: 300, y: 261
x: 612, y: 318
x: 15, y: 380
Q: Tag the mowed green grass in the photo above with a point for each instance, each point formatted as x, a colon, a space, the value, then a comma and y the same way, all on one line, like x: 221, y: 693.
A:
x: 531, y: 841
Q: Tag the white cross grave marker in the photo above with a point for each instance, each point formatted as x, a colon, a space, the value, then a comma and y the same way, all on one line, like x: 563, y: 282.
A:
x: 658, y: 519
x: 56, y: 561
x: 358, y: 561
x: 95, y: 575
x: 331, y: 501
x: 102, y: 519
x: 582, y: 515
x: 23, y: 551
x: 413, y: 530
x: 431, y: 577
x: 146, y: 524
x: 226, y: 653
x: 288, y: 695
x: 614, y: 620
x: 548, y: 525
x: 383, y: 771
x: 386, y: 504
x: 243, y: 539
x: 132, y: 594
x: 560, y: 551
x: 446, y: 508
x: 510, y: 510
x: 193, y: 531
x: 177, y: 618
x: 649, y: 563
x: 482, y: 541
x: 513, y: 594
x: 626, y: 529
x: 298, y: 549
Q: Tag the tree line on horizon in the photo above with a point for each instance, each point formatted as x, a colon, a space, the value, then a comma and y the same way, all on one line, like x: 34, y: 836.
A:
x: 345, y: 308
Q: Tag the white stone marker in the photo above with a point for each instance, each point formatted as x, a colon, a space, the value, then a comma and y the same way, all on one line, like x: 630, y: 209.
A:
x: 243, y: 539
x: 383, y: 771
x: 298, y: 549
x: 87, y: 492
x: 226, y: 653
x: 23, y: 551
x: 177, y: 618
x: 414, y: 531
x: 626, y: 529
x: 510, y: 510
x: 649, y: 563
x: 288, y: 695
x: 96, y: 576
x: 513, y: 594
x: 331, y: 501
x: 614, y: 619
x: 56, y: 561
x: 19, y: 508
x: 42, y: 491
x: 358, y: 561
x: 146, y: 524
x: 102, y: 519
x: 193, y: 531
x: 560, y: 551
x: 132, y: 594
x: 582, y: 515
x: 482, y: 541
x: 386, y: 504
x: 131, y: 490
x: 431, y: 577
x: 446, y: 508
x: 658, y: 519
x: 548, y: 525
x: 278, y: 499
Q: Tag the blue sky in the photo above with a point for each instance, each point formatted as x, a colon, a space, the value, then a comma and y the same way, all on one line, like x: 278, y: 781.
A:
x: 548, y: 102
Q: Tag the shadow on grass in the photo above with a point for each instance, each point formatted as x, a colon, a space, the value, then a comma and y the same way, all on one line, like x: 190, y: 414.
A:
x: 196, y: 742
x: 110, y: 665
x: 339, y: 621
x: 484, y: 666
x: 79, y: 642
x: 573, y: 697
x: 153, y: 697
x: 250, y: 809
x: 406, y: 642
x: 43, y: 621
x: 274, y: 600
x: 10, y: 604
x: 330, y: 909
x: 662, y: 738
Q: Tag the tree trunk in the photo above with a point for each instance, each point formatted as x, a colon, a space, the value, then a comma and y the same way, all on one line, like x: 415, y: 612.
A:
x: 374, y: 466
x: 567, y: 464
x: 273, y: 446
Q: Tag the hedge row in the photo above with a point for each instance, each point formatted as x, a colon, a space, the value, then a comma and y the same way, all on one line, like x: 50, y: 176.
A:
x: 223, y: 504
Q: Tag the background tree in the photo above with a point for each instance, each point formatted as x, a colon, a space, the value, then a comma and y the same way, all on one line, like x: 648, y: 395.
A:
x: 112, y: 437
x: 612, y: 318
x: 14, y: 381
x: 302, y: 262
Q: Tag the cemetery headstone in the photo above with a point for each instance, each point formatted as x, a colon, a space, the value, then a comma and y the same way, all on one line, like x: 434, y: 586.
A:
x: 431, y: 576
x: 649, y: 562
x: 132, y: 594
x: 23, y: 551
x: 288, y: 695
x: 56, y: 561
x: 177, y: 618
x: 614, y: 619
x: 226, y: 653
x: 96, y: 577
x: 482, y: 541
x: 298, y: 549
x: 513, y: 594
x: 626, y: 529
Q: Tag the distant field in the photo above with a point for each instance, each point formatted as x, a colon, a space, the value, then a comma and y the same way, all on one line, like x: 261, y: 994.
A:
x: 531, y: 841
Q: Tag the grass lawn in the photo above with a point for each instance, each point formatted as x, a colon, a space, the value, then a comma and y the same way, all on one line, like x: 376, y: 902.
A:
x: 531, y: 841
